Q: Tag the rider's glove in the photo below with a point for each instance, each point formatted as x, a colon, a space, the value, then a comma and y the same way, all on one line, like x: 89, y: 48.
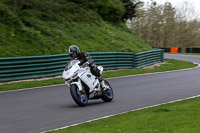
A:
x: 85, y: 64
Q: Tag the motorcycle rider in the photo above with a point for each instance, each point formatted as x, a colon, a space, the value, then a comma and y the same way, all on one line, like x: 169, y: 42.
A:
x: 86, y: 60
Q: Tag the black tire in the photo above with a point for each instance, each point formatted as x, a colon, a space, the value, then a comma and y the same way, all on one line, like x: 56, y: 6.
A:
x: 108, y: 95
x: 76, y: 96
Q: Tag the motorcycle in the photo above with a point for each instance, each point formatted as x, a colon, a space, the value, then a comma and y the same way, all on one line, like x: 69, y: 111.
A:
x: 84, y: 85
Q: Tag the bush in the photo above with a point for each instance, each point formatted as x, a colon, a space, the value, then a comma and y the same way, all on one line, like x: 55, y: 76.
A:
x: 8, y: 17
x: 109, y: 10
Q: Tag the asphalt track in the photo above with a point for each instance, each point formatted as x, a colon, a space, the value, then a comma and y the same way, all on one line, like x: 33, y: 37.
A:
x: 46, y: 108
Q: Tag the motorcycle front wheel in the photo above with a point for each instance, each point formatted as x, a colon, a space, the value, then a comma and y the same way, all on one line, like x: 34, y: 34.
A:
x: 107, y: 95
x: 80, y: 98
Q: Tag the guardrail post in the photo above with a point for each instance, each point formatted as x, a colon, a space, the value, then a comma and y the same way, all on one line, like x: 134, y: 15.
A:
x: 162, y: 55
x: 134, y: 65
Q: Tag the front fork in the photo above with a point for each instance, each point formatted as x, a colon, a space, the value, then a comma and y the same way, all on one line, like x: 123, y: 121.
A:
x: 78, y: 83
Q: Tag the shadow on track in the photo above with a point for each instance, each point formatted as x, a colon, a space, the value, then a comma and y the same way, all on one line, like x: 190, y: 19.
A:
x: 90, y: 104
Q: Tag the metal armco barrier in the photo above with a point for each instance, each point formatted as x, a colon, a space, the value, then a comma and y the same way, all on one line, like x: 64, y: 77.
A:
x: 148, y: 58
x: 18, y: 68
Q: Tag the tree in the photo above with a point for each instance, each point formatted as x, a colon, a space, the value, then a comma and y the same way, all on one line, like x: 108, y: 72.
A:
x: 130, y: 6
x: 164, y: 26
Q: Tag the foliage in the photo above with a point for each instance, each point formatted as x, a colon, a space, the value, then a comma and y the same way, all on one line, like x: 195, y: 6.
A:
x: 164, y: 26
x: 130, y: 6
x: 109, y: 10
x: 35, y: 27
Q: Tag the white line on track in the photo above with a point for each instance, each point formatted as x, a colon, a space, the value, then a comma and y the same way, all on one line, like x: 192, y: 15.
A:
x: 122, y: 113
x: 106, y: 78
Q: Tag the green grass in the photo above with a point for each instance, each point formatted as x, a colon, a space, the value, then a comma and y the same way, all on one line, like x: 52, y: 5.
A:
x: 50, y: 27
x: 30, y: 84
x: 172, y: 65
x: 178, y: 117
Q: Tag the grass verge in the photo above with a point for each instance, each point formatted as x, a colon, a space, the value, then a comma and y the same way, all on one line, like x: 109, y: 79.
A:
x: 171, y: 65
x: 178, y: 117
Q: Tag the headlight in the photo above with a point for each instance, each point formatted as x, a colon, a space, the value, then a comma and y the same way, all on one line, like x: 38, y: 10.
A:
x: 68, y: 68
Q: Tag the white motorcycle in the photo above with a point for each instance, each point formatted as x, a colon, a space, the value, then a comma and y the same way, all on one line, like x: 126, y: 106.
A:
x: 84, y: 85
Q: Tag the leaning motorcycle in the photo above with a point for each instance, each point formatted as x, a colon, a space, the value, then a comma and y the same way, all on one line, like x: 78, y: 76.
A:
x: 84, y: 85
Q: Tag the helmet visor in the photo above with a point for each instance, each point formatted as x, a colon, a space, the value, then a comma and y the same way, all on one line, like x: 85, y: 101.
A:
x: 73, y: 55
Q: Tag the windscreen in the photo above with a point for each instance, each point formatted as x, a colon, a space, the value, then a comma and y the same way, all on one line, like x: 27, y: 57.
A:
x: 72, y: 62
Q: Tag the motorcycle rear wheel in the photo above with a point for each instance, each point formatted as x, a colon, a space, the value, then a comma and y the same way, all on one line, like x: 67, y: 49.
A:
x: 80, y: 98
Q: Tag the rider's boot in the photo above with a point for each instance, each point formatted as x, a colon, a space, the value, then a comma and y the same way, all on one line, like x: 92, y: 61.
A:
x: 102, y: 83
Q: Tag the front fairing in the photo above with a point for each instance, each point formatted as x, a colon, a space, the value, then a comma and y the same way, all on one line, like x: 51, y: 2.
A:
x: 89, y: 79
x: 71, y: 69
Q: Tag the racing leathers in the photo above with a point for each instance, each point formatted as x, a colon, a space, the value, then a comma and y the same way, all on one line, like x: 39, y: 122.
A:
x: 85, y: 59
